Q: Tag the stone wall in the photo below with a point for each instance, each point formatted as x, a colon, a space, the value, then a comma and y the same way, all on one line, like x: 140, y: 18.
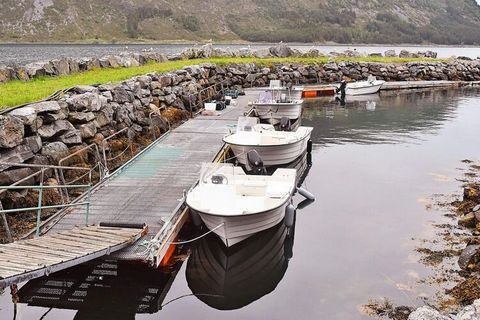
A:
x: 65, y: 66
x: 44, y: 132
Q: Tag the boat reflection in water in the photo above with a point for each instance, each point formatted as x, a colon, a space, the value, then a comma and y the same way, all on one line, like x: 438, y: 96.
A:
x: 231, y: 278
x: 102, y: 290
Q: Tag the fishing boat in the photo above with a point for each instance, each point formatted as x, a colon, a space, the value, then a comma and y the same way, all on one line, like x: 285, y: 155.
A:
x: 272, y: 110
x: 274, y: 147
x: 231, y: 278
x: 277, y: 102
x: 235, y: 205
x: 370, y: 86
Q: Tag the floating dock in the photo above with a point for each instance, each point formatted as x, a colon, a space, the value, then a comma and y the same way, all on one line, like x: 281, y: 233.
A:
x: 150, y: 188
x: 322, y: 90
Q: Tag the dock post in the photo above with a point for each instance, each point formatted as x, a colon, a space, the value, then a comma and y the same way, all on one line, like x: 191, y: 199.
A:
x: 5, y: 223
x: 87, y: 206
x: 40, y: 202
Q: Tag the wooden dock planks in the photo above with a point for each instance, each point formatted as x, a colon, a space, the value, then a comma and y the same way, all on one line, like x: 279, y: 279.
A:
x: 32, y: 258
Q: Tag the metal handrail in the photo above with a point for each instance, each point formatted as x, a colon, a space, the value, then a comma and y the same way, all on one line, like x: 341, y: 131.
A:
x: 40, y: 188
x: 105, y: 143
x: 93, y: 147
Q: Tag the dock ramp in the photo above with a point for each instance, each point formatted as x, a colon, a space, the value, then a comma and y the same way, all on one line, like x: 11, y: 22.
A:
x: 32, y: 258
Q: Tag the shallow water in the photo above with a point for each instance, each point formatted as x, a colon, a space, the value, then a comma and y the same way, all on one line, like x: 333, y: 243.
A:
x: 376, y: 164
x: 20, y: 54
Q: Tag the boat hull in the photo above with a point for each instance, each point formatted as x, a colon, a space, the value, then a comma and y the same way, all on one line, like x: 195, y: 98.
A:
x: 273, y: 155
x: 277, y: 111
x: 362, y: 90
x: 238, y: 228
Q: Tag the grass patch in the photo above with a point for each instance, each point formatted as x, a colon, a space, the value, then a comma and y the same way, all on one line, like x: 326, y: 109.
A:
x: 14, y: 93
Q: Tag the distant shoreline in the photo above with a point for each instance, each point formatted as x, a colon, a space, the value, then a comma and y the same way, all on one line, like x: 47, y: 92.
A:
x: 236, y: 43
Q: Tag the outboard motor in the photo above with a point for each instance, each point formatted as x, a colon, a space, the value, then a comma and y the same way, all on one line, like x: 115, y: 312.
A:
x: 342, y: 88
x: 285, y: 124
x: 342, y: 91
x: 256, y: 163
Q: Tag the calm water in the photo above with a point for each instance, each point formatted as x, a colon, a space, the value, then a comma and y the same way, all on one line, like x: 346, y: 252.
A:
x: 25, y: 53
x: 374, y: 163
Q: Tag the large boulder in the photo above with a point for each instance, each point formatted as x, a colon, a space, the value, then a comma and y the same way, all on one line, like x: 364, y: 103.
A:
x: 121, y: 95
x: 390, y: 53
x: 81, y: 117
x: 33, y: 142
x: 18, y: 154
x: 405, y: 54
x: 20, y: 73
x: 12, y: 131
x: 471, y: 312
x: 45, y: 106
x: 87, y: 101
x: 72, y: 137
x: 281, y: 50
x: 5, y: 74
x: 28, y: 114
x: 262, y: 53
x: 51, y: 130
x: 85, y: 64
x: 88, y: 130
x: 61, y: 66
x: 35, y: 70
x: 11, y: 176
x: 427, y: 313
x: 55, y: 151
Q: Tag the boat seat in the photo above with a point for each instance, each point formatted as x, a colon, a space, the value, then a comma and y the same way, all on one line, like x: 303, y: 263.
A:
x: 251, y: 188
x: 277, y: 190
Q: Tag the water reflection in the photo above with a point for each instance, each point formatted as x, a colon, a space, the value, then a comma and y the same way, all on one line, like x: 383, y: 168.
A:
x: 392, y: 117
x: 102, y: 290
x: 231, y: 278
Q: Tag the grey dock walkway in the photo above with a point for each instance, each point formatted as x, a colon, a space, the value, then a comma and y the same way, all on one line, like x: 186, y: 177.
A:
x: 32, y: 258
x: 150, y: 188
x: 398, y: 85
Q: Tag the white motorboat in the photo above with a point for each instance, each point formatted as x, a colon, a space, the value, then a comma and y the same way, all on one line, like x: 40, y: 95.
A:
x: 293, y: 93
x: 273, y: 108
x: 274, y: 147
x: 235, y: 205
x: 369, y: 86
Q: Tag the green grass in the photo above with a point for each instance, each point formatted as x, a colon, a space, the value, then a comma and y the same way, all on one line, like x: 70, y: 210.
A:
x: 14, y: 93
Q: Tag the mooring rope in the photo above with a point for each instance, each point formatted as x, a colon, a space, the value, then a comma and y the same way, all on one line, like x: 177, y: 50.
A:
x: 199, y: 237
x: 192, y: 294
x: 151, y: 243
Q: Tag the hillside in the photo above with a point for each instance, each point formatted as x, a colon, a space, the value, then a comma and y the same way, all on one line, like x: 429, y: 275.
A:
x: 342, y: 21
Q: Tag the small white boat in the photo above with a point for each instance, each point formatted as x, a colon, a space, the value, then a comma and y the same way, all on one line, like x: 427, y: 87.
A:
x: 274, y: 147
x: 235, y: 205
x: 269, y: 107
x: 293, y: 93
x: 369, y: 86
